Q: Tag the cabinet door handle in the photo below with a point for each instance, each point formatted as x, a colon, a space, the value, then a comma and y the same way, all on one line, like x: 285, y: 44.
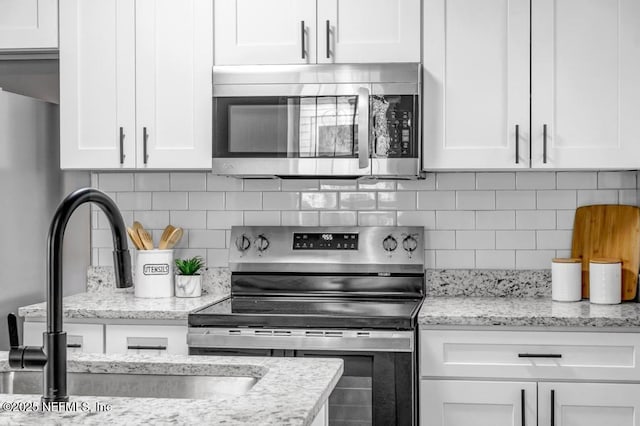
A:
x: 147, y: 347
x: 121, y: 145
x: 517, y: 144
x: 145, y: 137
x: 544, y: 144
x: 539, y: 355
x: 553, y: 407
x: 522, y: 408
x: 304, y: 54
x: 328, y: 25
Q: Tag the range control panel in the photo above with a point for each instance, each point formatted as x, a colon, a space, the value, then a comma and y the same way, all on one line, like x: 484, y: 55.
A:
x: 325, y: 241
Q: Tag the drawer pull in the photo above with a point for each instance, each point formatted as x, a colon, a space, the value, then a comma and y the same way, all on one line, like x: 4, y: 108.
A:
x: 74, y: 345
x: 539, y: 355
x: 147, y: 348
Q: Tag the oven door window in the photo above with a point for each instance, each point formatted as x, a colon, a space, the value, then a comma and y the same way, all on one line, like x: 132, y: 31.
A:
x: 286, y: 127
x: 351, y: 402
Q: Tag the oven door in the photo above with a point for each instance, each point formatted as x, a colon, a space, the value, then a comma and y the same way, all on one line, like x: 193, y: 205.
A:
x: 378, y: 386
x: 292, y: 130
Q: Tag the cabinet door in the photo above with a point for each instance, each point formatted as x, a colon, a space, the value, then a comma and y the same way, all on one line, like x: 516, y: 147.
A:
x: 586, y: 83
x: 589, y: 404
x: 476, y: 84
x: 368, y: 31
x: 146, y: 339
x: 97, y: 84
x: 80, y: 337
x: 251, y: 32
x: 463, y: 403
x: 174, y: 60
x: 28, y: 24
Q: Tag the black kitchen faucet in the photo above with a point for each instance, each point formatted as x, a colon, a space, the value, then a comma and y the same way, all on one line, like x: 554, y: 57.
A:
x: 52, y: 357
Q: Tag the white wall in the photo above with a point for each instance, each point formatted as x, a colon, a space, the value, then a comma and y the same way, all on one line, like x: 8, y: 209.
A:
x: 473, y: 220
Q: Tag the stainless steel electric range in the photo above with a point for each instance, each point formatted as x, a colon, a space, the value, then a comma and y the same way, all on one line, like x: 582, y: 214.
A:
x: 347, y: 292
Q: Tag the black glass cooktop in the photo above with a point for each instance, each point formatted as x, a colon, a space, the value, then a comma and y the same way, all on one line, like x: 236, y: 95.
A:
x: 309, y: 312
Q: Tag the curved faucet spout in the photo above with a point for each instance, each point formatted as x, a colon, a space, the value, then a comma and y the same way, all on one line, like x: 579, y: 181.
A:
x: 55, y: 339
x: 121, y: 257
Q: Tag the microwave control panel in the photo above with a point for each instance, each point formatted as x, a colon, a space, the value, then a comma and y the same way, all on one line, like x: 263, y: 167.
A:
x: 401, y: 128
x: 325, y: 241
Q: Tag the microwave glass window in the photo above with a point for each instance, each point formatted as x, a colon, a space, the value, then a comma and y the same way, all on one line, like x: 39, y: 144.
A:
x: 266, y: 125
x: 294, y: 127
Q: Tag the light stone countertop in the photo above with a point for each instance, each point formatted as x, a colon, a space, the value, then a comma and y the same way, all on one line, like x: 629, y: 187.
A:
x: 123, y: 305
x: 530, y: 312
x: 290, y: 391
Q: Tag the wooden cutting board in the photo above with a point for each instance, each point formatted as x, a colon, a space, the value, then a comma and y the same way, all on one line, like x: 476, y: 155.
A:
x: 608, y: 231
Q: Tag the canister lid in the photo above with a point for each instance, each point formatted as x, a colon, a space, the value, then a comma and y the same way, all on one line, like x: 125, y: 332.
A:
x: 566, y: 260
x: 605, y: 260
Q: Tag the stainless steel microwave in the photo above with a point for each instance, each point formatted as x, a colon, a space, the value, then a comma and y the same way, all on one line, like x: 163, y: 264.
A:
x: 317, y: 120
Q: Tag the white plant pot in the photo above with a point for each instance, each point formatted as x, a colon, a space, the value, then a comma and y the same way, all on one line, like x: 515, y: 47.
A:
x: 188, y: 285
x: 154, y: 274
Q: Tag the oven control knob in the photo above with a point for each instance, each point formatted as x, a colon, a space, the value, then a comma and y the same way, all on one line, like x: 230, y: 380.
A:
x: 261, y: 243
x: 410, y: 243
x: 389, y: 244
x: 243, y: 243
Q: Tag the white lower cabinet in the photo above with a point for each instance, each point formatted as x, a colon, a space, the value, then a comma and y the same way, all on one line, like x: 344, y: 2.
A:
x: 588, y: 404
x: 539, y: 378
x: 146, y: 339
x: 80, y: 337
x: 481, y: 403
x: 116, y: 338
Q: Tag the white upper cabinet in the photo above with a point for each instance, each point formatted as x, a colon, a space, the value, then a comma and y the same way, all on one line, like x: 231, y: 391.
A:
x: 97, y: 84
x: 265, y: 32
x: 255, y: 32
x: 586, y: 83
x: 135, y: 79
x: 476, y: 84
x: 174, y: 57
x: 352, y: 31
x: 28, y: 24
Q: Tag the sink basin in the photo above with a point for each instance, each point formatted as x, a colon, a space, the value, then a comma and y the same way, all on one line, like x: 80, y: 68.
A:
x: 131, y: 385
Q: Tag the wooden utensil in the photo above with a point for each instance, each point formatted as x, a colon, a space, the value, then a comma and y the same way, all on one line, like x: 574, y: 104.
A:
x: 174, y: 237
x: 145, y: 237
x: 137, y: 225
x: 608, y: 231
x: 135, y: 239
x: 165, y: 237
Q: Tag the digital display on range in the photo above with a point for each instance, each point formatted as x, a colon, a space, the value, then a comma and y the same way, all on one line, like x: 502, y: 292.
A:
x: 325, y: 241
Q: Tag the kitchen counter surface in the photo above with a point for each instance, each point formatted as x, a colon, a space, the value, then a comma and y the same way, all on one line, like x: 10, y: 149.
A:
x: 123, y: 305
x: 531, y: 312
x: 290, y: 391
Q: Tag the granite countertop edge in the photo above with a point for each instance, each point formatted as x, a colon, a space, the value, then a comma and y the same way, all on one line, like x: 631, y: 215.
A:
x: 123, y: 305
x: 279, y: 397
x: 526, y: 312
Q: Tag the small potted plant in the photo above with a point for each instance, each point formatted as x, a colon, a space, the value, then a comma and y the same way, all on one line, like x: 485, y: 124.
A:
x: 188, y: 278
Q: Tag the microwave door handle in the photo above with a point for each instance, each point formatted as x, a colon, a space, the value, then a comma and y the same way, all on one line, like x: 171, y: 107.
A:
x: 363, y: 127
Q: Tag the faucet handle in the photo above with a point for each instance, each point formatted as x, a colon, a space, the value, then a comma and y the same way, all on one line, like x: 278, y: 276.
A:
x: 23, y: 356
x: 13, y: 330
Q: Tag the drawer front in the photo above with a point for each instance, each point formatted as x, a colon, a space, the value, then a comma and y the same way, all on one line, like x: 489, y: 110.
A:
x: 80, y: 337
x: 530, y: 354
x: 146, y: 339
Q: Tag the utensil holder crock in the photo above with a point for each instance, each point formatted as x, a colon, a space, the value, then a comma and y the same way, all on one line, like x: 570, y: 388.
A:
x: 154, y: 274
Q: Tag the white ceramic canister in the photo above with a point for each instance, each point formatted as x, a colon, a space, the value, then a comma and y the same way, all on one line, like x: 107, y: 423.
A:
x: 605, y: 281
x: 154, y: 274
x: 566, y: 279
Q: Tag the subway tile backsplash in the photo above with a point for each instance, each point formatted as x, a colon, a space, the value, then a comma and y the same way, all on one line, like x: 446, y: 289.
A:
x: 487, y: 220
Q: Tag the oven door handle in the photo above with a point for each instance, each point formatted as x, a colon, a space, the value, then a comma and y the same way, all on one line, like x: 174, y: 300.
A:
x: 402, y: 342
x: 363, y: 127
